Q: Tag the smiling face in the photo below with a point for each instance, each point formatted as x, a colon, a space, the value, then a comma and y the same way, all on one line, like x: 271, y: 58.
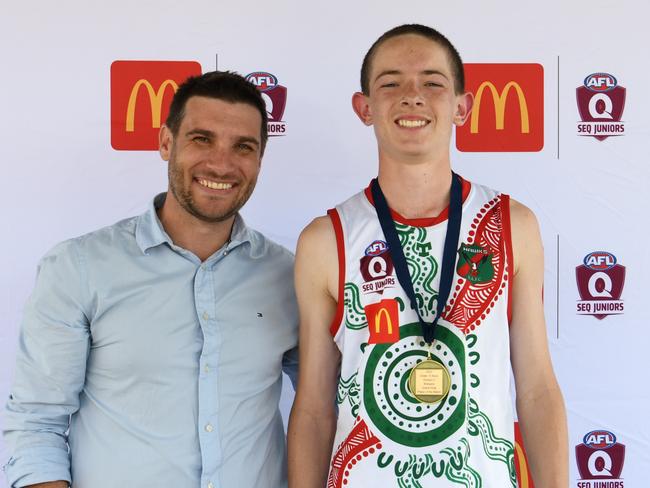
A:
x: 214, y: 158
x: 411, y: 102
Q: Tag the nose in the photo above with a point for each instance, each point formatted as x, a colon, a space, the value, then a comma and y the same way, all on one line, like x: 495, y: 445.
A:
x: 219, y: 158
x: 412, y: 95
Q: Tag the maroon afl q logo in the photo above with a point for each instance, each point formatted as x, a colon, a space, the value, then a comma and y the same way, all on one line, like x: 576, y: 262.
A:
x: 600, y: 460
x: 376, y: 267
x: 601, y: 101
x: 275, y: 97
x: 600, y: 285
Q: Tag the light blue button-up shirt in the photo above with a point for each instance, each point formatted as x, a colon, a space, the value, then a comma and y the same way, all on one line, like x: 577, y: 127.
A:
x: 167, y: 370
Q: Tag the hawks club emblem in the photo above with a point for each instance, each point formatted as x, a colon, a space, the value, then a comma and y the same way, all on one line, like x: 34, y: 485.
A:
x: 475, y: 263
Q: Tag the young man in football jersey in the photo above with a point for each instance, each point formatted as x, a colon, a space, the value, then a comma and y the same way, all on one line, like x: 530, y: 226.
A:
x: 418, y: 298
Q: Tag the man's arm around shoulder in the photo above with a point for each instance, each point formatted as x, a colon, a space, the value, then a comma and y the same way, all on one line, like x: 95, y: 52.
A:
x: 313, y: 417
x: 540, y: 406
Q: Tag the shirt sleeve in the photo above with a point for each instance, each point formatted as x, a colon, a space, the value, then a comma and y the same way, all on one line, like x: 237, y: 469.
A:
x: 50, y: 370
x: 290, y: 366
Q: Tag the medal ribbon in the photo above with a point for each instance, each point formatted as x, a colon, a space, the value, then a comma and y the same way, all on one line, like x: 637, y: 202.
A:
x: 448, y: 256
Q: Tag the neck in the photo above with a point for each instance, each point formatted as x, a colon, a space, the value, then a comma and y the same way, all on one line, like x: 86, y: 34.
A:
x: 191, y: 233
x: 416, y: 190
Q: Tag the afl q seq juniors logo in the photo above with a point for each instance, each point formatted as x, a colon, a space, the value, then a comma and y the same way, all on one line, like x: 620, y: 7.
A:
x: 600, y: 460
x: 376, y: 267
x: 275, y: 97
x: 601, y: 101
x: 600, y: 285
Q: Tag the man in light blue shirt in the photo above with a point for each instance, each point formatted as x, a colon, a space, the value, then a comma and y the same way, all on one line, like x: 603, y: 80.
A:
x: 151, y: 351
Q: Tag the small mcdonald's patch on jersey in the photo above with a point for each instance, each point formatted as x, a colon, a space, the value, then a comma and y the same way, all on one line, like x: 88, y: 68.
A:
x: 383, y: 321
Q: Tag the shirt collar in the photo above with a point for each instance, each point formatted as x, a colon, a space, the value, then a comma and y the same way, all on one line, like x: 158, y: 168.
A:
x: 149, y: 231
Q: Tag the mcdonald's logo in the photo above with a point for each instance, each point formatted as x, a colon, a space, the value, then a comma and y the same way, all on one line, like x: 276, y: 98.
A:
x: 383, y: 321
x: 508, y: 112
x: 522, y: 469
x: 141, y: 92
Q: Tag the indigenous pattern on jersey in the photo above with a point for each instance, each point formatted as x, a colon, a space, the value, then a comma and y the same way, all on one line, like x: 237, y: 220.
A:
x: 385, y: 437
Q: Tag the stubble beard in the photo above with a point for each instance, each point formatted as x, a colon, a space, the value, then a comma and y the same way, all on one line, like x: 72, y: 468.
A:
x: 181, y: 191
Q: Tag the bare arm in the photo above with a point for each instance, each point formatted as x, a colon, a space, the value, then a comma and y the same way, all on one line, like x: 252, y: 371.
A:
x: 540, y: 406
x: 313, y: 418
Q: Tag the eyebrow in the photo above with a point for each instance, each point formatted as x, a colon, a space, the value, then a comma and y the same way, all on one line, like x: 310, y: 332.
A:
x: 209, y: 133
x: 200, y: 132
x: 398, y: 72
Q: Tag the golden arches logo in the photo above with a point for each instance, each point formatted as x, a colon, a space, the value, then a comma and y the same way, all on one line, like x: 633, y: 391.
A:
x: 524, y: 482
x: 499, y: 100
x: 155, y: 100
x: 383, y: 313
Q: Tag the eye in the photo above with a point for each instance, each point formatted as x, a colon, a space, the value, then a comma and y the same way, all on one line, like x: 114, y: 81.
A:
x: 390, y: 84
x: 432, y: 83
x: 244, y: 147
x: 201, y: 139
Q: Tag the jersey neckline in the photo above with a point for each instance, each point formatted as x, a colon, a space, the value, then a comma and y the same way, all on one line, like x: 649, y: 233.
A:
x: 424, y: 221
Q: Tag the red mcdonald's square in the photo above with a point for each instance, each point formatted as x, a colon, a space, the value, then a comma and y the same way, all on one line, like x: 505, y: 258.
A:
x: 508, y: 112
x: 141, y: 92
x: 383, y: 321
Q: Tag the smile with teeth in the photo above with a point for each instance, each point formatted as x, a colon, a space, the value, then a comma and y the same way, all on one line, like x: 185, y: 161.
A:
x: 412, y: 123
x: 214, y: 185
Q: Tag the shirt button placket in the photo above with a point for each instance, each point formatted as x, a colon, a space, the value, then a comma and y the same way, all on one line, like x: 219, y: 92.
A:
x: 204, y: 299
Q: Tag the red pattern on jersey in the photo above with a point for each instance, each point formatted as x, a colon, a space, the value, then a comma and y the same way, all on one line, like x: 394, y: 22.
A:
x: 472, y: 302
x: 358, y: 444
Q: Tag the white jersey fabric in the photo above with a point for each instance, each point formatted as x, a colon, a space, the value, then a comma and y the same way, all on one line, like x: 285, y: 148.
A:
x: 385, y: 437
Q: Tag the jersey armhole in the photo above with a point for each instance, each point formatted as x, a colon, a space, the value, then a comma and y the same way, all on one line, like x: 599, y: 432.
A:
x: 507, y: 239
x: 340, y: 250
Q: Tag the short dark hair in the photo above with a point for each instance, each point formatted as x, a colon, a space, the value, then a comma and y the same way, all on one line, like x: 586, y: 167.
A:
x: 223, y: 85
x: 420, y: 30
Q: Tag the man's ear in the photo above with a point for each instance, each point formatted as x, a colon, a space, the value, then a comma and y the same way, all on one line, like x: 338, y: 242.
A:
x: 362, y: 108
x: 464, y: 104
x: 165, y: 140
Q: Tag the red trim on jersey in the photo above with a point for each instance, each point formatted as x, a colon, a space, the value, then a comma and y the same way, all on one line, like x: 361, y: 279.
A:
x: 507, y: 238
x: 427, y: 221
x: 340, y: 248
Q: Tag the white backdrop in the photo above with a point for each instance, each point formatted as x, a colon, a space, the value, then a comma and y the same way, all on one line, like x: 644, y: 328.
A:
x: 62, y: 178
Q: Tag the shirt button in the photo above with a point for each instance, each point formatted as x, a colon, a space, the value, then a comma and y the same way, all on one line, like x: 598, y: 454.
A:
x: 209, y: 428
x: 225, y: 253
x: 206, y: 368
x: 210, y: 485
x: 205, y: 316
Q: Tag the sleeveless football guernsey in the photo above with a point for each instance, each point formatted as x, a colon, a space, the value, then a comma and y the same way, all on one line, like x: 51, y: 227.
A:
x: 385, y: 437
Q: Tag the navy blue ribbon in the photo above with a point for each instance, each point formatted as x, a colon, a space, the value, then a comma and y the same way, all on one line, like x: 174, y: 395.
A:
x: 448, y: 256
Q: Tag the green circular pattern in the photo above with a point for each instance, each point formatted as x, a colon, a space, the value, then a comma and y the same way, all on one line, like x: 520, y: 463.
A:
x: 388, y: 401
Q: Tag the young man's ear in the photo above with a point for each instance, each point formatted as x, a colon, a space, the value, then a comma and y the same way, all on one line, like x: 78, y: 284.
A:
x: 464, y: 104
x: 361, y: 108
x: 165, y: 140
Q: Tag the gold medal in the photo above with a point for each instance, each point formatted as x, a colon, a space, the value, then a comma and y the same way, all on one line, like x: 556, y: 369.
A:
x: 429, y: 381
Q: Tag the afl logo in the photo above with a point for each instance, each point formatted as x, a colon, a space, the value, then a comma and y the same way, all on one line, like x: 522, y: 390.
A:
x: 600, y: 82
x: 376, y: 248
x: 600, y: 260
x: 262, y: 80
x: 599, y: 439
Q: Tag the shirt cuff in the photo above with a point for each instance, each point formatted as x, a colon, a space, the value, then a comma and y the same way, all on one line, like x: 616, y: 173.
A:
x: 39, y: 465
